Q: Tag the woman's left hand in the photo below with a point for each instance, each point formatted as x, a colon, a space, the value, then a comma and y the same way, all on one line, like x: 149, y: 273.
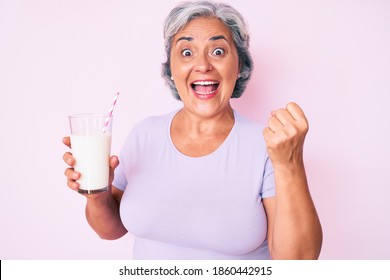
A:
x: 285, y: 135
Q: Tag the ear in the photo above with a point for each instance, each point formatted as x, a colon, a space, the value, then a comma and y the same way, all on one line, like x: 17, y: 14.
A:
x: 239, y: 70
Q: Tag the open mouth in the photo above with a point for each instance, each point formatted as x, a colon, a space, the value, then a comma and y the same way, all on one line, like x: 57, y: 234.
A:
x: 205, y: 87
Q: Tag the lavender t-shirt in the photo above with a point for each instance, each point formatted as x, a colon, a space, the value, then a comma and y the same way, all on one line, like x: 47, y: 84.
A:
x: 181, y: 207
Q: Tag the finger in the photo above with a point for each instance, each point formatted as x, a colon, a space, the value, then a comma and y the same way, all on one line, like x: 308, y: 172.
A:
x: 71, y: 174
x: 298, y: 115
x: 69, y: 159
x: 295, y: 111
x: 274, y: 124
x: 267, y: 134
x: 284, y: 117
x: 114, y: 162
x: 66, y: 141
x: 73, y: 184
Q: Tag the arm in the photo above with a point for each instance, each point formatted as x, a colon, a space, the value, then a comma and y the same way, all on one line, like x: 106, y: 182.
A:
x: 102, y: 213
x: 294, y: 229
x: 102, y: 210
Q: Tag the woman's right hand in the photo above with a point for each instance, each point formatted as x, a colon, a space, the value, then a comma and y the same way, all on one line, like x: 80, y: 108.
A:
x: 70, y: 173
x: 73, y: 175
x: 103, y: 217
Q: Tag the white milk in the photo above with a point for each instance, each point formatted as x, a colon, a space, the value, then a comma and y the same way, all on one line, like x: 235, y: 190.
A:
x: 92, y: 154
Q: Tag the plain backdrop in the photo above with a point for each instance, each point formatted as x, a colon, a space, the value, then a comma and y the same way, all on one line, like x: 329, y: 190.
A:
x: 59, y: 57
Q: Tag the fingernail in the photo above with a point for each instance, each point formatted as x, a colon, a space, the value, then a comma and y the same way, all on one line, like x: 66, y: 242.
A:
x: 75, y: 176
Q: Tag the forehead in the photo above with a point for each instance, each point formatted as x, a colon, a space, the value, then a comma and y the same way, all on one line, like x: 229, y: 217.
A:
x: 204, y: 27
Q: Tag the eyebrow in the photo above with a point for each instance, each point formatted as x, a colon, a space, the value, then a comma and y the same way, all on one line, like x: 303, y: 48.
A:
x: 219, y: 37
x: 184, y: 39
x: 214, y: 38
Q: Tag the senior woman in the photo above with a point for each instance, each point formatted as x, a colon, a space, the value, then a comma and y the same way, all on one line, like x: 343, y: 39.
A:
x: 203, y: 182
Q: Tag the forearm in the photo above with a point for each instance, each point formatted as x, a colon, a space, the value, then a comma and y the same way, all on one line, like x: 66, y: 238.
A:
x: 297, y: 232
x: 103, y: 216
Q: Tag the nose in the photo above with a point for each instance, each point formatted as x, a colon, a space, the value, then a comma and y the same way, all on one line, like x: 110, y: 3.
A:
x: 202, y: 64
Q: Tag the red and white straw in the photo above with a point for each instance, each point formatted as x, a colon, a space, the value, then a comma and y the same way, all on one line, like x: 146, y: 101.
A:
x: 111, y: 111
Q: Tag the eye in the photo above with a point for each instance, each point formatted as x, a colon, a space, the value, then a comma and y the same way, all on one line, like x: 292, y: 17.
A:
x: 218, y: 52
x: 186, y: 52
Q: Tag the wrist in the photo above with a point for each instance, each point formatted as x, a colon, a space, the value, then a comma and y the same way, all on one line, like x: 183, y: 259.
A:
x: 290, y: 177
x: 290, y: 167
x: 97, y: 199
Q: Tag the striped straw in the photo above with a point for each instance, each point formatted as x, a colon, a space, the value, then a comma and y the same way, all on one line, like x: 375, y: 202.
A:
x: 111, y: 111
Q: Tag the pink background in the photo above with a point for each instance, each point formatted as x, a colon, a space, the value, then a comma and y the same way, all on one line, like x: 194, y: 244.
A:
x: 59, y: 57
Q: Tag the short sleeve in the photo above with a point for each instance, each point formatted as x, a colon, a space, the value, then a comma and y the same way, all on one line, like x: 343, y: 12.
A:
x: 125, y: 161
x: 268, y: 186
x: 120, y: 181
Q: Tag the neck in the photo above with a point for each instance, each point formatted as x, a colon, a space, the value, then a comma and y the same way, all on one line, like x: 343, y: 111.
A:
x: 197, y: 125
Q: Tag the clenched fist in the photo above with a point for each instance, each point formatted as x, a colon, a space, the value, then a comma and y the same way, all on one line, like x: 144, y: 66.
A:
x: 285, y: 135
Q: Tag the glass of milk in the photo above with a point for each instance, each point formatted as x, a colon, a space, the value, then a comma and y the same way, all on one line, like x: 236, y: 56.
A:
x: 91, y: 147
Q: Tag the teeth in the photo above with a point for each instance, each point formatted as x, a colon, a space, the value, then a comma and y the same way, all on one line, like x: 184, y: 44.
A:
x: 205, y: 93
x: 205, y: 83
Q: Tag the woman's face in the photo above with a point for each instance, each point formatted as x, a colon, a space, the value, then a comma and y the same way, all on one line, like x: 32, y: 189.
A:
x: 204, y: 65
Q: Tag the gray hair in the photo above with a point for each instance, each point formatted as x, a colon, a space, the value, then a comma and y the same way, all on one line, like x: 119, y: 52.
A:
x: 187, y: 11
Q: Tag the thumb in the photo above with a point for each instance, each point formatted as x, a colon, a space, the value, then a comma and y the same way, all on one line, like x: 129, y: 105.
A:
x: 114, y: 162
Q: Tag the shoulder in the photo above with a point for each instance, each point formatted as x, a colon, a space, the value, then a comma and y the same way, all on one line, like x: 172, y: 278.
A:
x: 149, y: 127
x: 148, y: 131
